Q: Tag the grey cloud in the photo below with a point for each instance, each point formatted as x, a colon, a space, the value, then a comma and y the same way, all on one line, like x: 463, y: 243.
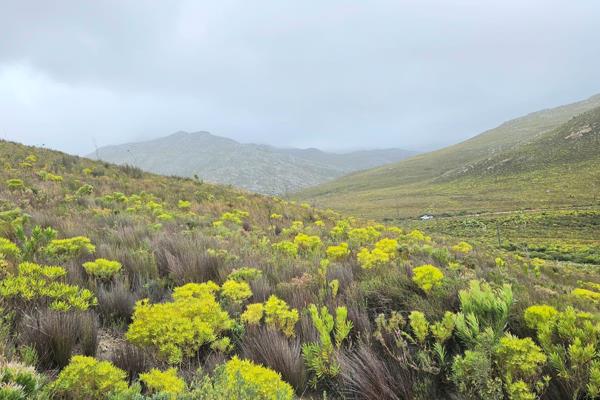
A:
x: 334, y: 74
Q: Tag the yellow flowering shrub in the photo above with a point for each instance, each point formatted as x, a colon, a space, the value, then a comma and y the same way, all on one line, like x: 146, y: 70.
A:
x: 90, y: 379
x: 427, y: 277
x: 339, y: 252
x: 276, y: 216
x: 363, y: 236
x: 307, y: 243
x: 370, y: 259
x: 286, y: 248
x: 462, y: 247
x: 102, y: 268
x: 418, y: 236
x: 264, y: 382
x: 184, y: 205
x: 37, y: 283
x: 236, y: 216
x: 253, y: 314
x: 165, y: 382
x: 586, y: 294
x: 70, y: 247
x: 389, y: 246
x: 236, y: 291
x: 279, y: 315
x: 538, y: 314
x: 179, y: 328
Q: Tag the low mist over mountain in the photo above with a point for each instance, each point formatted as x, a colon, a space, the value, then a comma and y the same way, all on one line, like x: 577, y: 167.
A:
x: 258, y: 168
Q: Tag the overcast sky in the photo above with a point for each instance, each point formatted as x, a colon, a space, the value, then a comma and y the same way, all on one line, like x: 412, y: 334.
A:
x: 309, y: 73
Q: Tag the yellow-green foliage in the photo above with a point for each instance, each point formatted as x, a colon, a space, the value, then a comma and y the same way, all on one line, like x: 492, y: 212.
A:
x: 519, y: 358
x: 102, y: 268
x: 442, y: 330
x: 339, y: 252
x: 280, y: 316
x: 419, y: 325
x: 165, y: 382
x: 84, y: 190
x: 319, y: 356
x: 538, y: 314
x: 370, y: 259
x: 286, y: 248
x: 177, y: 329
x: 427, y: 277
x: 266, y: 383
x: 236, y: 216
x: 363, y: 236
x: 253, y: 314
x: 15, y: 184
x: 184, y: 205
x: 586, y: 294
x: 276, y: 216
x: 90, y: 379
x: 520, y: 361
x: 8, y: 249
x: 389, y: 246
x: 340, y: 230
x: 70, y: 247
x: 307, y: 243
x: 245, y: 274
x: 48, y: 176
x: 462, y: 247
x: 34, y: 282
x: 236, y: 291
x: 418, y: 236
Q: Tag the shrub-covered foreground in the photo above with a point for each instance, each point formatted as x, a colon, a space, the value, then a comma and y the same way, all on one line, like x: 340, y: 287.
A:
x: 116, y: 284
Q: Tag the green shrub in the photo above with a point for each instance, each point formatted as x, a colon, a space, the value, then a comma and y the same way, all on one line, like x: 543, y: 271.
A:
x: 20, y: 382
x: 70, y: 247
x: 319, y: 356
x: 15, y: 184
x: 42, y: 284
x: 84, y: 190
x: 102, y: 268
x: 520, y: 360
x: 86, y: 378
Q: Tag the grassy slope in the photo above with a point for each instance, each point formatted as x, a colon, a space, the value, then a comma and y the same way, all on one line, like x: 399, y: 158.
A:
x: 429, y: 183
x: 190, y: 248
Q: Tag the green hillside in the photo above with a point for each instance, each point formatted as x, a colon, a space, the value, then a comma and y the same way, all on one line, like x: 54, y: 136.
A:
x: 123, y: 285
x: 524, y: 163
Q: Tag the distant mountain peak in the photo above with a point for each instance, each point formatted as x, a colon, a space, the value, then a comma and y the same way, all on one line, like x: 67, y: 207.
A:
x: 257, y: 167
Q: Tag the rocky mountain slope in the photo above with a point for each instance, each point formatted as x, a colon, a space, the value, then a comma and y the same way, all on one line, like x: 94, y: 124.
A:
x: 258, y: 168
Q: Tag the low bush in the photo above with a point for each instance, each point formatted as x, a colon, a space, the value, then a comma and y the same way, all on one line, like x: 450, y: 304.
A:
x: 89, y: 379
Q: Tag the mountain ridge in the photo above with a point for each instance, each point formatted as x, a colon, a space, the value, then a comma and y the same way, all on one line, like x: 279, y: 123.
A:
x: 256, y: 167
